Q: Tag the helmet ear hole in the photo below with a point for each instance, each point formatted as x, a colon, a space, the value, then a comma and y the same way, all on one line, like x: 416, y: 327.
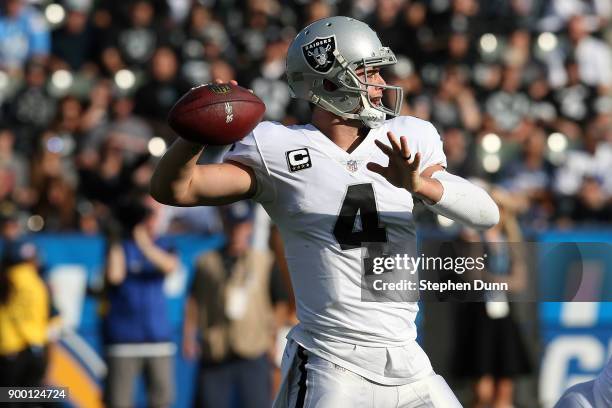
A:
x: 329, y: 85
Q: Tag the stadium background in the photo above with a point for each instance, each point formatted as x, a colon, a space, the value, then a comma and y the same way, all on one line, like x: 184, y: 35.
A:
x: 520, y: 91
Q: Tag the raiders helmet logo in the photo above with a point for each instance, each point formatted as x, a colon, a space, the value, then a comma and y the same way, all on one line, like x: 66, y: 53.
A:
x: 319, y: 53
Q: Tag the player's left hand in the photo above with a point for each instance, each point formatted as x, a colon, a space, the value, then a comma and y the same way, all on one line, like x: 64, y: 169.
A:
x: 403, y: 168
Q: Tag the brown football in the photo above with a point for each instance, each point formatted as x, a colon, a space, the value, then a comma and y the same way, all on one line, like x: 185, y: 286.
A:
x: 216, y: 114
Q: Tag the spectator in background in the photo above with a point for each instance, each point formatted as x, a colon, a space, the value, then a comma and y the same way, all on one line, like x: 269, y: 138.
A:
x: 111, y: 61
x: 229, y: 309
x: 52, y: 159
x: 23, y: 35
x: 73, y: 44
x: 466, y: 16
x: 461, y: 51
x: 200, y: 27
x: 418, y: 35
x: 24, y: 310
x: 316, y: 10
x: 583, y: 183
x: 137, y: 42
x: 530, y: 179
x: 33, y: 108
x: 165, y: 87
x: 133, y: 131
x: 508, y: 106
x: 542, y: 105
x: 591, y: 206
x: 106, y: 176
x: 53, y: 177
x: 454, y: 105
x: 270, y: 84
x: 137, y: 330
x: 386, y: 21
x: 57, y: 205
x: 518, y: 51
x: 256, y: 29
x: 489, y: 345
x: 222, y: 70
x: 96, y: 113
x: 593, y: 56
x: 14, y: 172
x: 575, y: 100
x: 67, y: 121
x: 488, y: 79
x: 458, y: 149
x: 557, y: 13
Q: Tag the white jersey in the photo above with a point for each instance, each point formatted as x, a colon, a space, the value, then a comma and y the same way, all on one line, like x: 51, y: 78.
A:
x: 325, y: 203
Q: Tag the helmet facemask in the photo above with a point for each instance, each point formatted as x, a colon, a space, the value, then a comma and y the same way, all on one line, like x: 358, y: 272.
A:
x: 371, y: 114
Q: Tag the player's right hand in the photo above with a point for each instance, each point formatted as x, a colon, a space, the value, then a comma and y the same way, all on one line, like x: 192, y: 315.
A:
x: 220, y: 81
x: 232, y: 81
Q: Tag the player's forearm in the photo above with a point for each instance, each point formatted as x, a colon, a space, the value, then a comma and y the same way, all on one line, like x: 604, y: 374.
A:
x: 464, y: 202
x: 180, y: 181
x: 115, y: 265
x: 174, y: 172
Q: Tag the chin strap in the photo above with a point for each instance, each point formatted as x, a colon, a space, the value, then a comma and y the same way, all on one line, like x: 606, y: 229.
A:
x: 369, y: 116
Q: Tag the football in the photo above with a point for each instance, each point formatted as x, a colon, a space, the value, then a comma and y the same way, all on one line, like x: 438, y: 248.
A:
x: 216, y: 114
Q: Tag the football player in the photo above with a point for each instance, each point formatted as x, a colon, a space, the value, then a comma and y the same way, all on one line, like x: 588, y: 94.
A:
x: 591, y: 394
x: 340, y: 189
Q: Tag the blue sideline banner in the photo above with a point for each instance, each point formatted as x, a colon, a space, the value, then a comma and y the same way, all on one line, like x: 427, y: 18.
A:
x: 576, y: 336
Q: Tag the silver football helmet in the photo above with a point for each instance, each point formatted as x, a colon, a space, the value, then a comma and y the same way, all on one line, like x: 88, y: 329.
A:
x: 321, y: 64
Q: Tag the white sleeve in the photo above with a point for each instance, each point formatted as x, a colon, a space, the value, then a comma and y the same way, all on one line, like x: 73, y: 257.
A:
x: 603, y: 386
x: 261, y: 229
x: 247, y: 152
x: 465, y: 202
x: 578, y: 396
x: 431, y: 150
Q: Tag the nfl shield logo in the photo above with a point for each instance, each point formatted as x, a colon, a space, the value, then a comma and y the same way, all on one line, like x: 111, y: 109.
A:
x: 319, y: 53
x: 351, y: 166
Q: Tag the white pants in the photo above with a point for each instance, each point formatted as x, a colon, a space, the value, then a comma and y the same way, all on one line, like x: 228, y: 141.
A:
x: 310, y: 381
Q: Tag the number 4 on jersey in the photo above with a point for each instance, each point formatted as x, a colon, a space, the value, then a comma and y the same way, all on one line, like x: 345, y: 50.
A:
x: 360, y: 200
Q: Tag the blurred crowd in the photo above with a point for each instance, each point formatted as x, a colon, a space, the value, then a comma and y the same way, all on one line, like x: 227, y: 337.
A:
x: 520, y: 90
